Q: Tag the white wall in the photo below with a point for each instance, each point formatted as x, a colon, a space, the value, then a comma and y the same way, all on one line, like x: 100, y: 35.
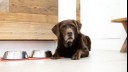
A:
x: 97, y: 15
x: 67, y: 9
x: 123, y: 8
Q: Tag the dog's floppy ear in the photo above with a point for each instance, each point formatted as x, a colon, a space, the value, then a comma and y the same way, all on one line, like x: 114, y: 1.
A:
x: 56, y: 30
x: 78, y: 25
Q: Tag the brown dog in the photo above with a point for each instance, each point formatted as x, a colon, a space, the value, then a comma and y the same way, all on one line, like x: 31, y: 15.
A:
x: 71, y: 42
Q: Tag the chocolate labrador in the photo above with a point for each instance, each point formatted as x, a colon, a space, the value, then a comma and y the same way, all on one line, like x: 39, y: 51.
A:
x: 71, y: 42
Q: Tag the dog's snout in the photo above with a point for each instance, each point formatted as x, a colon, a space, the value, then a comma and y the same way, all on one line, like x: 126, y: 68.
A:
x: 70, y: 33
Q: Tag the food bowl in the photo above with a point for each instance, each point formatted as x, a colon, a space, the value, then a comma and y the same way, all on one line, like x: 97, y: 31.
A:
x: 14, y: 55
x: 41, y: 54
x: 38, y: 54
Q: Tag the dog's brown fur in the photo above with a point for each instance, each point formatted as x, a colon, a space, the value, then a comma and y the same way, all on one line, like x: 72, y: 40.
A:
x: 79, y: 47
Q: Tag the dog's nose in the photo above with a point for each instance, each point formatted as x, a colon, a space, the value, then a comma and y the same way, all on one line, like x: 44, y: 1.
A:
x: 69, y: 33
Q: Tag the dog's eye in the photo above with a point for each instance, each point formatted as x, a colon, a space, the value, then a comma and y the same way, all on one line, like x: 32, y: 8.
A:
x: 64, y: 27
x: 72, y: 26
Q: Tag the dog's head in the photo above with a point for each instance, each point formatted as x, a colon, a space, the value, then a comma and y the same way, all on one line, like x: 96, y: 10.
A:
x: 67, y: 30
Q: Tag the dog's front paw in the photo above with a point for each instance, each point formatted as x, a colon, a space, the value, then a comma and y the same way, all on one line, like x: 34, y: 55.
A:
x: 55, y: 56
x: 76, y: 57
